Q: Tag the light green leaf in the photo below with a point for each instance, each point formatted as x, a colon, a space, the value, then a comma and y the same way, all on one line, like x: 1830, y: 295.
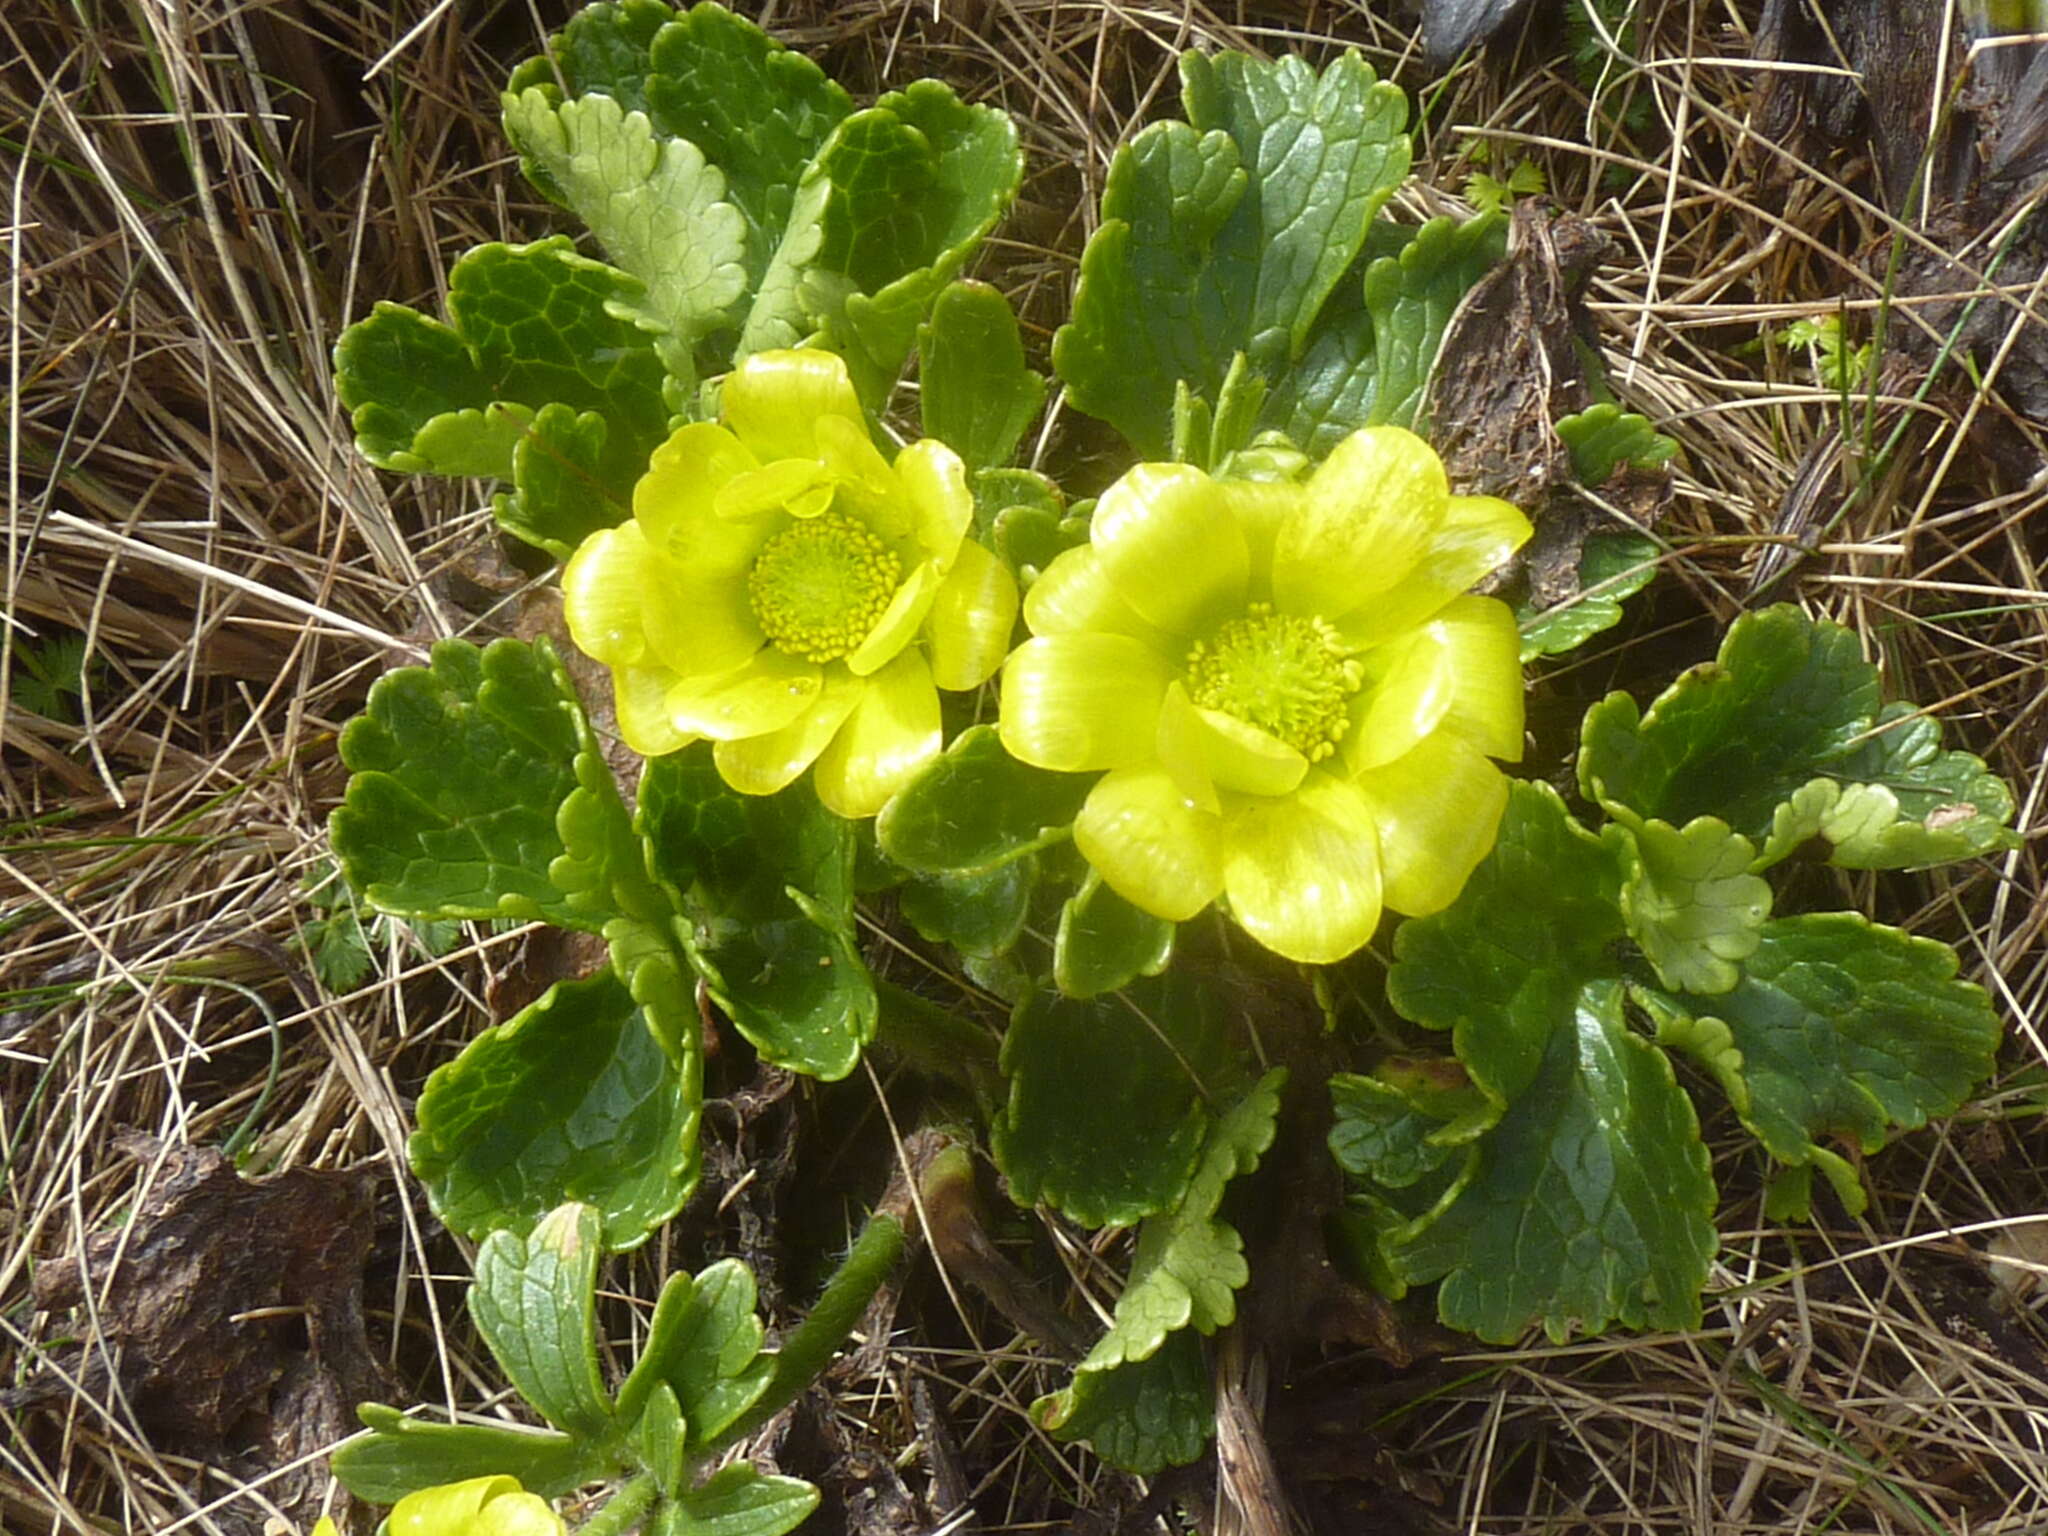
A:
x: 975, y: 393
x: 397, y: 1455
x: 1143, y: 1417
x: 738, y: 1501
x: 1842, y: 1029
x: 976, y: 808
x: 767, y: 884
x: 458, y: 773
x: 1227, y: 233
x: 1690, y: 900
x: 1907, y: 804
x: 1105, y: 943
x: 658, y: 1436
x: 1106, y: 1115
x: 654, y: 203
x: 704, y: 1346
x: 534, y: 1302
x: 1603, y: 438
x: 1612, y: 566
x: 575, y: 1098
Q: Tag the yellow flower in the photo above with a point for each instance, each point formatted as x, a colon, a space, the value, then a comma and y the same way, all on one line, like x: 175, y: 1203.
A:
x: 1293, y: 698
x: 788, y: 593
x: 483, y: 1506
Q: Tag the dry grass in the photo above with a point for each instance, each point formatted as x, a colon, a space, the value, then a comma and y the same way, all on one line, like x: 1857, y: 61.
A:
x: 200, y: 195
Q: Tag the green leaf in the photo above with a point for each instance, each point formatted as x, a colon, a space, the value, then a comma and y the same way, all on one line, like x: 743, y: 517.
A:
x: 1602, y: 438
x: 1788, y: 702
x: 659, y: 1438
x: 459, y: 770
x: 1612, y: 566
x: 1105, y: 943
x: 1411, y: 298
x: 1384, y: 1130
x: 575, y: 1098
x: 978, y: 914
x: 1588, y: 1200
x: 1106, y: 1113
x: 534, y: 1302
x: 1690, y: 900
x: 1143, y: 1417
x: 976, y: 808
x: 1591, y: 1202
x: 767, y: 883
x: 535, y: 379
x: 975, y: 394
x: 738, y: 1501
x: 704, y: 1347
x: 397, y: 1455
x: 1843, y: 1029
x: 1227, y: 233
x: 653, y: 202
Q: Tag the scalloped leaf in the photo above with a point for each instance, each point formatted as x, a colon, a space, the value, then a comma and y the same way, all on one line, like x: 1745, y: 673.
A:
x: 574, y: 1098
x: 535, y: 379
x: 767, y: 884
x: 1691, y: 901
x: 1844, y: 1030
x: 1612, y: 566
x: 1103, y: 1120
x: 704, y: 1347
x: 1603, y: 438
x: 976, y: 808
x: 1143, y: 1417
x: 1227, y: 233
x: 397, y: 1455
x: 534, y: 1302
x: 459, y: 771
x: 653, y: 202
x: 1790, y: 702
x: 1411, y: 298
x: 975, y: 393
x: 1105, y: 943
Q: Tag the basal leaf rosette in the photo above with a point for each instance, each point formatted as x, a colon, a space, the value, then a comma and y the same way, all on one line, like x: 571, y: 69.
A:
x: 1294, y: 697
x: 788, y: 593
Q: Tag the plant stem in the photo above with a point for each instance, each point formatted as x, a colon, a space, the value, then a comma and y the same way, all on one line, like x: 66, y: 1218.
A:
x: 807, y: 1351
x: 632, y: 1501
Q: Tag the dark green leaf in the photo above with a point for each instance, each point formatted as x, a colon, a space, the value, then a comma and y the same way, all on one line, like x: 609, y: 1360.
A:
x: 1382, y: 1130
x: 398, y: 1455
x: 659, y: 1437
x: 767, y: 883
x: 573, y: 1099
x: 1143, y: 1417
x: 975, y: 394
x: 1612, y: 566
x: 1907, y: 804
x: 534, y: 1303
x: 704, y: 1346
x: 1227, y: 233
x: 978, y: 914
x: 976, y: 808
x: 1411, y: 298
x: 1105, y: 943
x: 1604, y: 437
x: 1106, y: 1111
x: 459, y: 771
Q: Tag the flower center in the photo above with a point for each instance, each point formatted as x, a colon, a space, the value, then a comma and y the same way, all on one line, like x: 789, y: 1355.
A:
x: 1291, y: 677
x: 818, y: 586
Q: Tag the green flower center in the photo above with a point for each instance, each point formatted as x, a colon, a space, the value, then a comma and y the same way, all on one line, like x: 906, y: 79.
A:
x: 818, y: 586
x: 1291, y: 677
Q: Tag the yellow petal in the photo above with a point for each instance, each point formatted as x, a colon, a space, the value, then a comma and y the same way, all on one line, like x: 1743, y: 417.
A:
x: 696, y: 621
x: 324, y: 1526
x: 1245, y: 759
x: 1408, y: 690
x: 1488, y: 697
x: 1438, y: 810
x: 968, y: 630
x: 601, y: 594
x: 1260, y: 507
x: 1077, y: 703
x: 518, y: 1514
x: 902, y: 619
x: 681, y: 486
x: 773, y: 401
x: 1151, y: 846
x: 1073, y: 596
x: 935, y: 491
x: 448, y: 1509
x: 1366, y: 517
x: 1167, y: 543
x: 640, y: 701
x: 891, y: 734
x: 763, y: 695
x: 867, y: 488
x: 1178, y: 744
x: 760, y: 765
x: 799, y: 487
x: 1477, y: 535
x: 1303, y: 871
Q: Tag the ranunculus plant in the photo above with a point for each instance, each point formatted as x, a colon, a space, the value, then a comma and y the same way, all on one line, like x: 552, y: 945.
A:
x: 1240, y: 767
